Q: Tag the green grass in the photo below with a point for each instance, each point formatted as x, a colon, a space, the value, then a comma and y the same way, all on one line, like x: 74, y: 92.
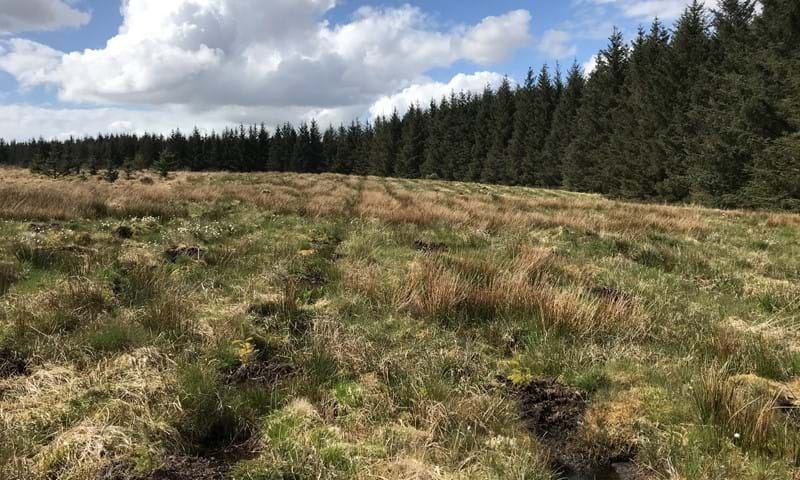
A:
x: 290, y: 326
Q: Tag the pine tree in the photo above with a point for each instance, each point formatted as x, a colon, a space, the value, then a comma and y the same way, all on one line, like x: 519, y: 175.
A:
x: 690, y: 53
x: 588, y: 161
x: 385, y: 145
x: 545, y: 103
x: 436, y: 148
x: 496, y: 168
x: 316, y: 158
x: 483, y: 135
x: 166, y: 163
x: 524, y: 119
x: 725, y: 143
x: 641, y: 136
x: 412, y: 151
x: 563, y: 129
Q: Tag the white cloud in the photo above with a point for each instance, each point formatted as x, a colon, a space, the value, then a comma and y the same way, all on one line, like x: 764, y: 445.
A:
x: 556, y: 44
x: 29, y: 15
x: 28, y: 61
x: 423, y: 93
x: 589, y: 66
x: 649, y: 9
x: 22, y: 122
x: 272, y: 53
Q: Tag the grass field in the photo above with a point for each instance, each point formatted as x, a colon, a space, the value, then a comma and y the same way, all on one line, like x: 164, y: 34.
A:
x: 282, y: 326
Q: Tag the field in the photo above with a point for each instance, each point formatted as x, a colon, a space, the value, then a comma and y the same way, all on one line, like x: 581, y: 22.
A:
x: 276, y: 326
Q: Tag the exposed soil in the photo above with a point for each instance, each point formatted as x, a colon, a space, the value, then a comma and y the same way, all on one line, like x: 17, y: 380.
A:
x: 12, y: 364
x: 124, y: 232
x: 264, y: 372
x: 174, y: 468
x: 609, y: 293
x: 178, y: 251
x: 265, y: 309
x: 553, y: 412
x: 429, y: 247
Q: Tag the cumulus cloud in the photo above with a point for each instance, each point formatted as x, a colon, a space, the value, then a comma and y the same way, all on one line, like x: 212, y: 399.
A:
x: 556, y: 44
x: 29, y: 15
x: 589, y: 66
x: 423, y: 93
x: 21, y: 122
x: 649, y: 9
x: 279, y: 53
x: 30, y: 62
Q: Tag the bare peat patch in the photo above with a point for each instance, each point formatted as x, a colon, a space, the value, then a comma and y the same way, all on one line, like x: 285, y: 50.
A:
x: 429, y: 247
x: 173, y: 254
x: 174, y: 468
x: 553, y: 412
x: 12, y: 364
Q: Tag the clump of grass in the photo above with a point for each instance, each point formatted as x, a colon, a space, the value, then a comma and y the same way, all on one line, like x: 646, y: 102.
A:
x: 168, y: 313
x: 216, y: 416
x: 433, y: 289
x: 756, y: 421
x: 746, y: 352
x: 115, y: 336
x: 68, y: 259
x: 298, y: 445
x: 74, y: 303
x: 136, y: 283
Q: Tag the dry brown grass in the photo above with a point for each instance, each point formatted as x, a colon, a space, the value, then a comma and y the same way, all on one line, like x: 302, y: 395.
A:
x: 28, y: 197
x: 437, y: 287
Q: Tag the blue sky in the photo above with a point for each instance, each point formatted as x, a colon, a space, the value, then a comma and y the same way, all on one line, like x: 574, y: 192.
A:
x: 67, y: 67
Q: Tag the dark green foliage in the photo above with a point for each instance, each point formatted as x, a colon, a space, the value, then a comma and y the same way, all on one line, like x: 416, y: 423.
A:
x: 496, y: 169
x: 166, y: 162
x: 707, y: 111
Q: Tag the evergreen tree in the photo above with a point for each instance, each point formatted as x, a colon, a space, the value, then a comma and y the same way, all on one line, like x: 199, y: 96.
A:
x: 483, y: 129
x: 640, y: 140
x: 412, y: 152
x: 524, y: 118
x: 563, y: 129
x: 545, y: 102
x: 496, y: 168
x: 588, y: 160
x: 166, y: 162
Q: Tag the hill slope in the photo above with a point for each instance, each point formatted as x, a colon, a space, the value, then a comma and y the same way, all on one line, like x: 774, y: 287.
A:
x: 300, y: 326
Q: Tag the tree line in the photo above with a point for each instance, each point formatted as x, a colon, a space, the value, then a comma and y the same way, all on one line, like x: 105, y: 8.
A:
x: 707, y: 111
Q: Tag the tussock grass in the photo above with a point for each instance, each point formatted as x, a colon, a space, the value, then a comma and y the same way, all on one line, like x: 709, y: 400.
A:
x: 73, y: 304
x: 755, y: 420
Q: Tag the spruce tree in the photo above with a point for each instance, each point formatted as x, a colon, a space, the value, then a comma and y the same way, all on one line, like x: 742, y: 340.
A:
x: 524, y: 118
x: 496, y: 168
x: 166, y: 163
x: 483, y: 135
x: 563, y: 129
x: 412, y: 150
x: 589, y: 158
x: 640, y: 140
x: 545, y: 103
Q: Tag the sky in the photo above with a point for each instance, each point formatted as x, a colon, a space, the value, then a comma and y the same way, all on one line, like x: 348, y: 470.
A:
x: 82, y: 67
